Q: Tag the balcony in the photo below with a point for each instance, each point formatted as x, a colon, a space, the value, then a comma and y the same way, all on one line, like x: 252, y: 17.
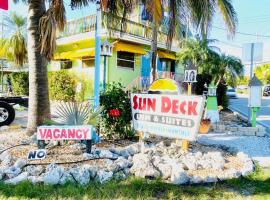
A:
x: 133, y: 30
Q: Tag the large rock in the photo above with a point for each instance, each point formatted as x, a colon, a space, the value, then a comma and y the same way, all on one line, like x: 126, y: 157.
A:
x: 142, y: 166
x: 80, y: 175
x: 53, y: 174
x: 104, y: 153
x: 92, y: 170
x: 34, y: 170
x: 103, y: 176
x: 178, y: 175
x: 12, y: 172
x: 7, y: 160
x: 165, y: 170
x: 35, y: 179
x: 22, y: 177
x: 190, y: 162
x: 20, y: 163
x: 123, y: 163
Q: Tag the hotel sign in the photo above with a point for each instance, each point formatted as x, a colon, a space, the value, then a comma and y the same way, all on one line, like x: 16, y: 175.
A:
x: 174, y: 116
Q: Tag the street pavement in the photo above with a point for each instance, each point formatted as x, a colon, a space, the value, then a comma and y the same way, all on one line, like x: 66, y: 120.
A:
x: 240, y: 105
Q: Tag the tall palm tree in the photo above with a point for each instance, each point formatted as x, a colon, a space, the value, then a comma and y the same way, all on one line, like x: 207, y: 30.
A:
x: 199, y: 12
x: 14, y: 48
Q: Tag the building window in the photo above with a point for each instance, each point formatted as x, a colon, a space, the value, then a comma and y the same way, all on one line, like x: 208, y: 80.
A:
x: 88, y: 63
x: 125, y: 60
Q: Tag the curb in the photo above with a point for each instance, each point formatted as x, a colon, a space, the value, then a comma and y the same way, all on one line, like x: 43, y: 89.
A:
x: 241, y: 115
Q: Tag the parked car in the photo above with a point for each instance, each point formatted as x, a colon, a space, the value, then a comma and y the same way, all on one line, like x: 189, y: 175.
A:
x: 231, y: 93
x: 266, y: 90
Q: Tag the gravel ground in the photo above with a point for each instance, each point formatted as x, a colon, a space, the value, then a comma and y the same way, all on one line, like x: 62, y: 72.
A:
x: 256, y: 147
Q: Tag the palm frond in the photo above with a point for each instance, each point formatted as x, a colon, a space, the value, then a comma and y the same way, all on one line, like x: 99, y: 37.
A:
x: 229, y: 15
x: 59, y: 13
x: 47, y: 29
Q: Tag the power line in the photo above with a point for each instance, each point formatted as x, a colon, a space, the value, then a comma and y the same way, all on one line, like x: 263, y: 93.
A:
x: 242, y: 33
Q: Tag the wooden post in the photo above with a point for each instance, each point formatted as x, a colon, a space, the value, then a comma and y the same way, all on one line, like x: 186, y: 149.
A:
x: 185, y: 143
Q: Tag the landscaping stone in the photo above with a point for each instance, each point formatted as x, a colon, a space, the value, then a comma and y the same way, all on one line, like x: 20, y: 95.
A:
x: 53, y: 174
x: 179, y: 175
x: 103, y: 176
x: 20, y: 163
x: 34, y: 170
x: 104, y: 153
x: 142, y: 167
x: 35, y: 179
x: 12, y: 172
x: 22, y: 177
x: 119, y: 176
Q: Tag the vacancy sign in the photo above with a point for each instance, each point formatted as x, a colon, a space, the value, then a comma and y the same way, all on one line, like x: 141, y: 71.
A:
x: 4, y: 4
x: 174, y: 116
x: 64, y: 132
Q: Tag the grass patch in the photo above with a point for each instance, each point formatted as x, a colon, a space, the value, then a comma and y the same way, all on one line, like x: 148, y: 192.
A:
x: 256, y: 186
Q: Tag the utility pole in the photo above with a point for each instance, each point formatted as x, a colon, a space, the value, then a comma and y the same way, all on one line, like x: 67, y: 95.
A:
x: 251, y: 75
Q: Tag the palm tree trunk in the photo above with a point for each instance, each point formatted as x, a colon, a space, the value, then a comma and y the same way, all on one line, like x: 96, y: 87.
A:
x: 154, y: 50
x: 39, y: 106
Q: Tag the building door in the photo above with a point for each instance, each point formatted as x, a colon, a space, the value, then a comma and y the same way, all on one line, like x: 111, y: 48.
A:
x: 145, y: 70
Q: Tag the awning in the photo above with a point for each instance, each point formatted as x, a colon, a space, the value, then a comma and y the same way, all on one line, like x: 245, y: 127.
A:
x: 163, y: 54
x: 132, y: 48
x: 77, y: 54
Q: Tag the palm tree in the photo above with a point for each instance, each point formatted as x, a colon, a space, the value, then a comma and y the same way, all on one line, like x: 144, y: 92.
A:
x: 227, y: 68
x: 14, y: 48
x: 207, y: 59
x: 199, y: 12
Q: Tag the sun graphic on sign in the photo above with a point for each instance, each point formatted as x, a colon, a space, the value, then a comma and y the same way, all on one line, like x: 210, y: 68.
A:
x: 164, y: 86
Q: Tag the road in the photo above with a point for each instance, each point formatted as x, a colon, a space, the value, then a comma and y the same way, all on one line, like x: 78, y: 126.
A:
x: 240, y: 105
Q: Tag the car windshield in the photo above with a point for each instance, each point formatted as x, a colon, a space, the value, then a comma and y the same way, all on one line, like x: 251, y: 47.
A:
x: 231, y: 90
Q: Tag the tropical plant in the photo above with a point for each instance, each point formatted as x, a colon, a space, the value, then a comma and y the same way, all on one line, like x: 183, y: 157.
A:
x: 62, y: 86
x: 14, y: 48
x: 20, y: 83
x: 263, y: 73
x: 226, y: 67
x: 200, y: 13
x: 206, y: 58
x: 116, y: 117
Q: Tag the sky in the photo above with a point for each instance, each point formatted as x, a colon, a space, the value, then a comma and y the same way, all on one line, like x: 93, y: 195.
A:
x: 253, y: 24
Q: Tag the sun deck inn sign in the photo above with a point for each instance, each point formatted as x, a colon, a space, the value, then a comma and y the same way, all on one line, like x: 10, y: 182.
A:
x: 174, y: 116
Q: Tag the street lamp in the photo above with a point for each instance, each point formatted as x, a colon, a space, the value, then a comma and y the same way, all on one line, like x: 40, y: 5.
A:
x: 105, y: 50
x: 255, y: 97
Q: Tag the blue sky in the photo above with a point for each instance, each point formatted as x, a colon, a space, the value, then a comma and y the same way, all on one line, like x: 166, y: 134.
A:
x: 253, y: 16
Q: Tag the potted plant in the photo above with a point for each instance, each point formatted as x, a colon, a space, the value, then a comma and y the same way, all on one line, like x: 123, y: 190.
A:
x: 205, y: 126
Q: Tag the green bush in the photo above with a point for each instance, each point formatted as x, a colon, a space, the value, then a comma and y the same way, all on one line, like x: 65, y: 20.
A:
x: 62, y: 86
x: 115, y: 98
x: 221, y: 95
x: 20, y: 83
x: 86, y: 88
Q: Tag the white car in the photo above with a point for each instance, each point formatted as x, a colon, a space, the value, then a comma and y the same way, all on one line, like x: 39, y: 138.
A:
x: 231, y: 93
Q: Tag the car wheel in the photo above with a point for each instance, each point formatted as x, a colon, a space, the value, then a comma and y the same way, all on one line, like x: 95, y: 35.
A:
x: 7, y: 113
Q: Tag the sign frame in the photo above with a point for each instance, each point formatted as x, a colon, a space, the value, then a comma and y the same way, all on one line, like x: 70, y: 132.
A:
x: 185, y: 126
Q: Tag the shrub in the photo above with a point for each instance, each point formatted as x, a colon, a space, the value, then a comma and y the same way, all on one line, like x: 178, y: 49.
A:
x: 222, y: 98
x: 62, y: 86
x: 20, y: 83
x: 86, y: 88
x: 116, y: 117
